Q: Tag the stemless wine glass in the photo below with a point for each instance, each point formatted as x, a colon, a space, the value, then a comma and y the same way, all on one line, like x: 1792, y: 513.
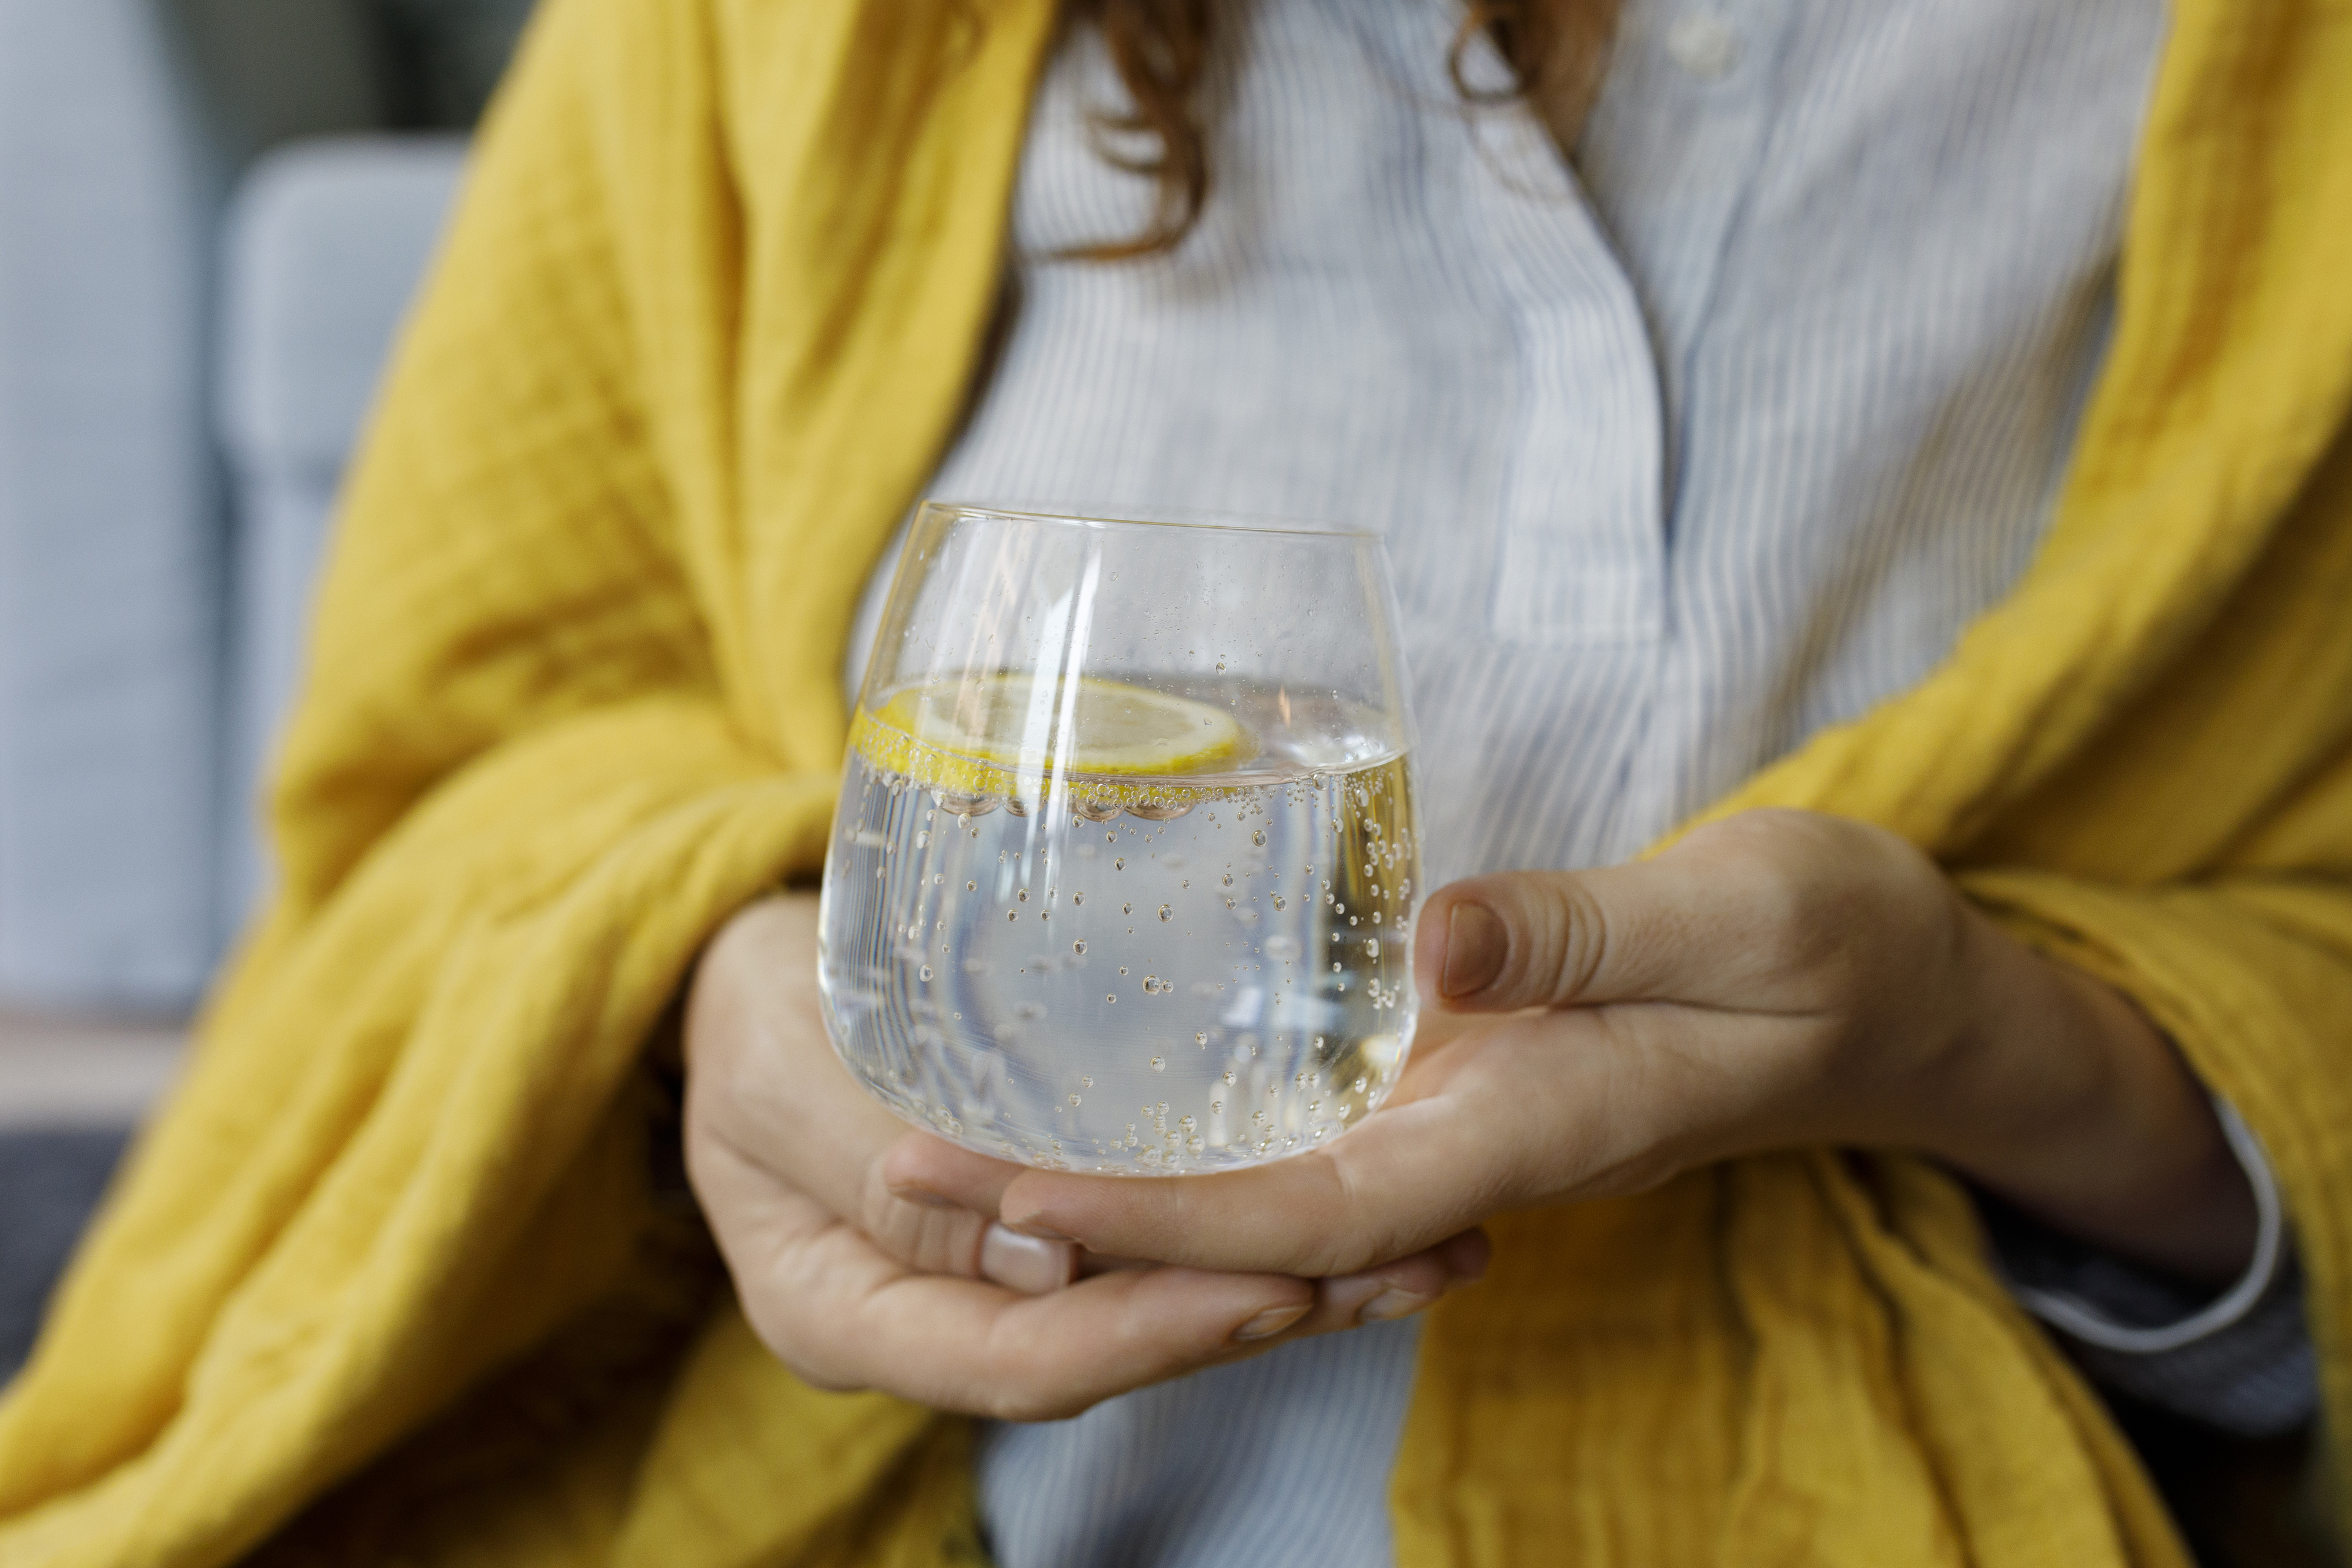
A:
x: 1123, y: 876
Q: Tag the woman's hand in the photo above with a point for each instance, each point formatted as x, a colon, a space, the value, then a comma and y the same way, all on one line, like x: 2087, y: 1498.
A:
x: 1775, y: 980
x: 854, y: 1287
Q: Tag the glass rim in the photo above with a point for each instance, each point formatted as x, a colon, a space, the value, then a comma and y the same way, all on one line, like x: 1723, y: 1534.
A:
x: 1265, y: 528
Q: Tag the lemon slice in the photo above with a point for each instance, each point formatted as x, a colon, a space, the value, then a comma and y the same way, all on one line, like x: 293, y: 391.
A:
x: 985, y: 735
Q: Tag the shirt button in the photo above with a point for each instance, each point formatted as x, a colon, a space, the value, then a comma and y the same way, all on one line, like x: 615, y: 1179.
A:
x: 1704, y: 45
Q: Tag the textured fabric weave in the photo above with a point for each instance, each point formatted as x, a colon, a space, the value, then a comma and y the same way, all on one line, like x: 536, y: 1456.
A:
x: 711, y: 307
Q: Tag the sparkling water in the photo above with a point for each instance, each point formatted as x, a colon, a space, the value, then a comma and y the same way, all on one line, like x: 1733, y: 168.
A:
x: 1141, y: 975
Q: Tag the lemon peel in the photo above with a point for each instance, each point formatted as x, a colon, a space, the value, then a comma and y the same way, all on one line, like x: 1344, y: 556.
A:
x: 976, y: 739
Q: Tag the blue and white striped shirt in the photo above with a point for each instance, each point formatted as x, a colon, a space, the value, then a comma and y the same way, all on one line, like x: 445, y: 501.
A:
x: 1681, y: 456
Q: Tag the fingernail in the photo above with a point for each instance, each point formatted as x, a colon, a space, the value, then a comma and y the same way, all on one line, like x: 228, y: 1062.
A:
x: 1475, y: 945
x: 923, y: 1196
x: 1026, y: 1263
x: 1391, y: 1304
x: 1268, y: 1324
x: 1042, y: 1232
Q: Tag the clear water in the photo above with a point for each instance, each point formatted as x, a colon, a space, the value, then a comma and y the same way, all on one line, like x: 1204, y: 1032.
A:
x: 1223, y: 981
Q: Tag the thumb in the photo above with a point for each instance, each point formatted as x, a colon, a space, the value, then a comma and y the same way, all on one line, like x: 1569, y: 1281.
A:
x: 1556, y: 939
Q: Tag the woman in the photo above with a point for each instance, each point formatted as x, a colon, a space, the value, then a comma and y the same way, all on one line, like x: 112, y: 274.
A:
x: 1754, y: 491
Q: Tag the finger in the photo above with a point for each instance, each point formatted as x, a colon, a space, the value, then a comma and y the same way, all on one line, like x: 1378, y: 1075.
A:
x: 1556, y: 939
x: 1396, y: 1290
x: 845, y: 1315
x: 1029, y: 1264
x: 1540, y: 1107
x: 1409, y: 1177
x: 765, y: 1075
x: 767, y: 1085
x: 929, y: 1169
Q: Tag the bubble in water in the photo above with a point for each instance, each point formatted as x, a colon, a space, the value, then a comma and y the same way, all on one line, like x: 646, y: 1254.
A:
x: 1120, y: 864
x: 1159, y: 1064
x: 924, y: 973
x: 1200, y: 1037
x: 1165, y: 912
x: 1229, y: 1076
x: 1024, y: 896
x: 1334, y: 969
x: 1229, y: 879
x: 971, y: 887
x: 1074, y: 1098
x: 1080, y: 946
x: 1077, y: 898
x: 1127, y: 909
x: 922, y: 841
x: 1278, y: 903
x: 1012, y: 915
x: 1258, y: 838
x: 1122, y: 968
x: 1361, y: 1083
x: 1371, y: 948
x: 1112, y: 997
x: 1194, y: 1142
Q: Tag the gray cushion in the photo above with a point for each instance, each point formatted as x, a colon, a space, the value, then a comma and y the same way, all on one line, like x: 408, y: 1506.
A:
x: 111, y: 550
x: 324, y: 245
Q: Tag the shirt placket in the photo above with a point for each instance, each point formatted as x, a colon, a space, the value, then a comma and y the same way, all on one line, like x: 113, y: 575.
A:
x: 1582, y: 554
x: 1579, y: 562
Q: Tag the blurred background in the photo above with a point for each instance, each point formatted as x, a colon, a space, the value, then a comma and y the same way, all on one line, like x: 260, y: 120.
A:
x: 213, y: 214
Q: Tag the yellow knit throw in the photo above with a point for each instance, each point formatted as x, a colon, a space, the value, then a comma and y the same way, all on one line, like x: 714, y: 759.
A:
x: 390, y: 1282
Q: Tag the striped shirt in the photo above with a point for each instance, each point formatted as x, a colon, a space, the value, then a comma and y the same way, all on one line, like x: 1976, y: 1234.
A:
x: 1682, y: 453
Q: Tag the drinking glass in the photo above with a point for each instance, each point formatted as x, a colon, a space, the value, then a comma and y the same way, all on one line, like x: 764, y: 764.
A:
x: 1122, y: 875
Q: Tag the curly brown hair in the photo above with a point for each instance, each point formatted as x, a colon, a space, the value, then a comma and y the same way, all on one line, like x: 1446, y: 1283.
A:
x: 1554, y: 48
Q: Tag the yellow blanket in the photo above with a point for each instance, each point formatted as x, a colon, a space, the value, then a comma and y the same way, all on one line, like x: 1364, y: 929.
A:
x: 390, y: 1282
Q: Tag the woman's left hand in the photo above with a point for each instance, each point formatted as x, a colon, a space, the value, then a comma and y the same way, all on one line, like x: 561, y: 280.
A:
x: 1777, y: 980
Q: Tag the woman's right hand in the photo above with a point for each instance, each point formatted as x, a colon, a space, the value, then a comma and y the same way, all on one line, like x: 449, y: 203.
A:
x: 855, y: 1287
